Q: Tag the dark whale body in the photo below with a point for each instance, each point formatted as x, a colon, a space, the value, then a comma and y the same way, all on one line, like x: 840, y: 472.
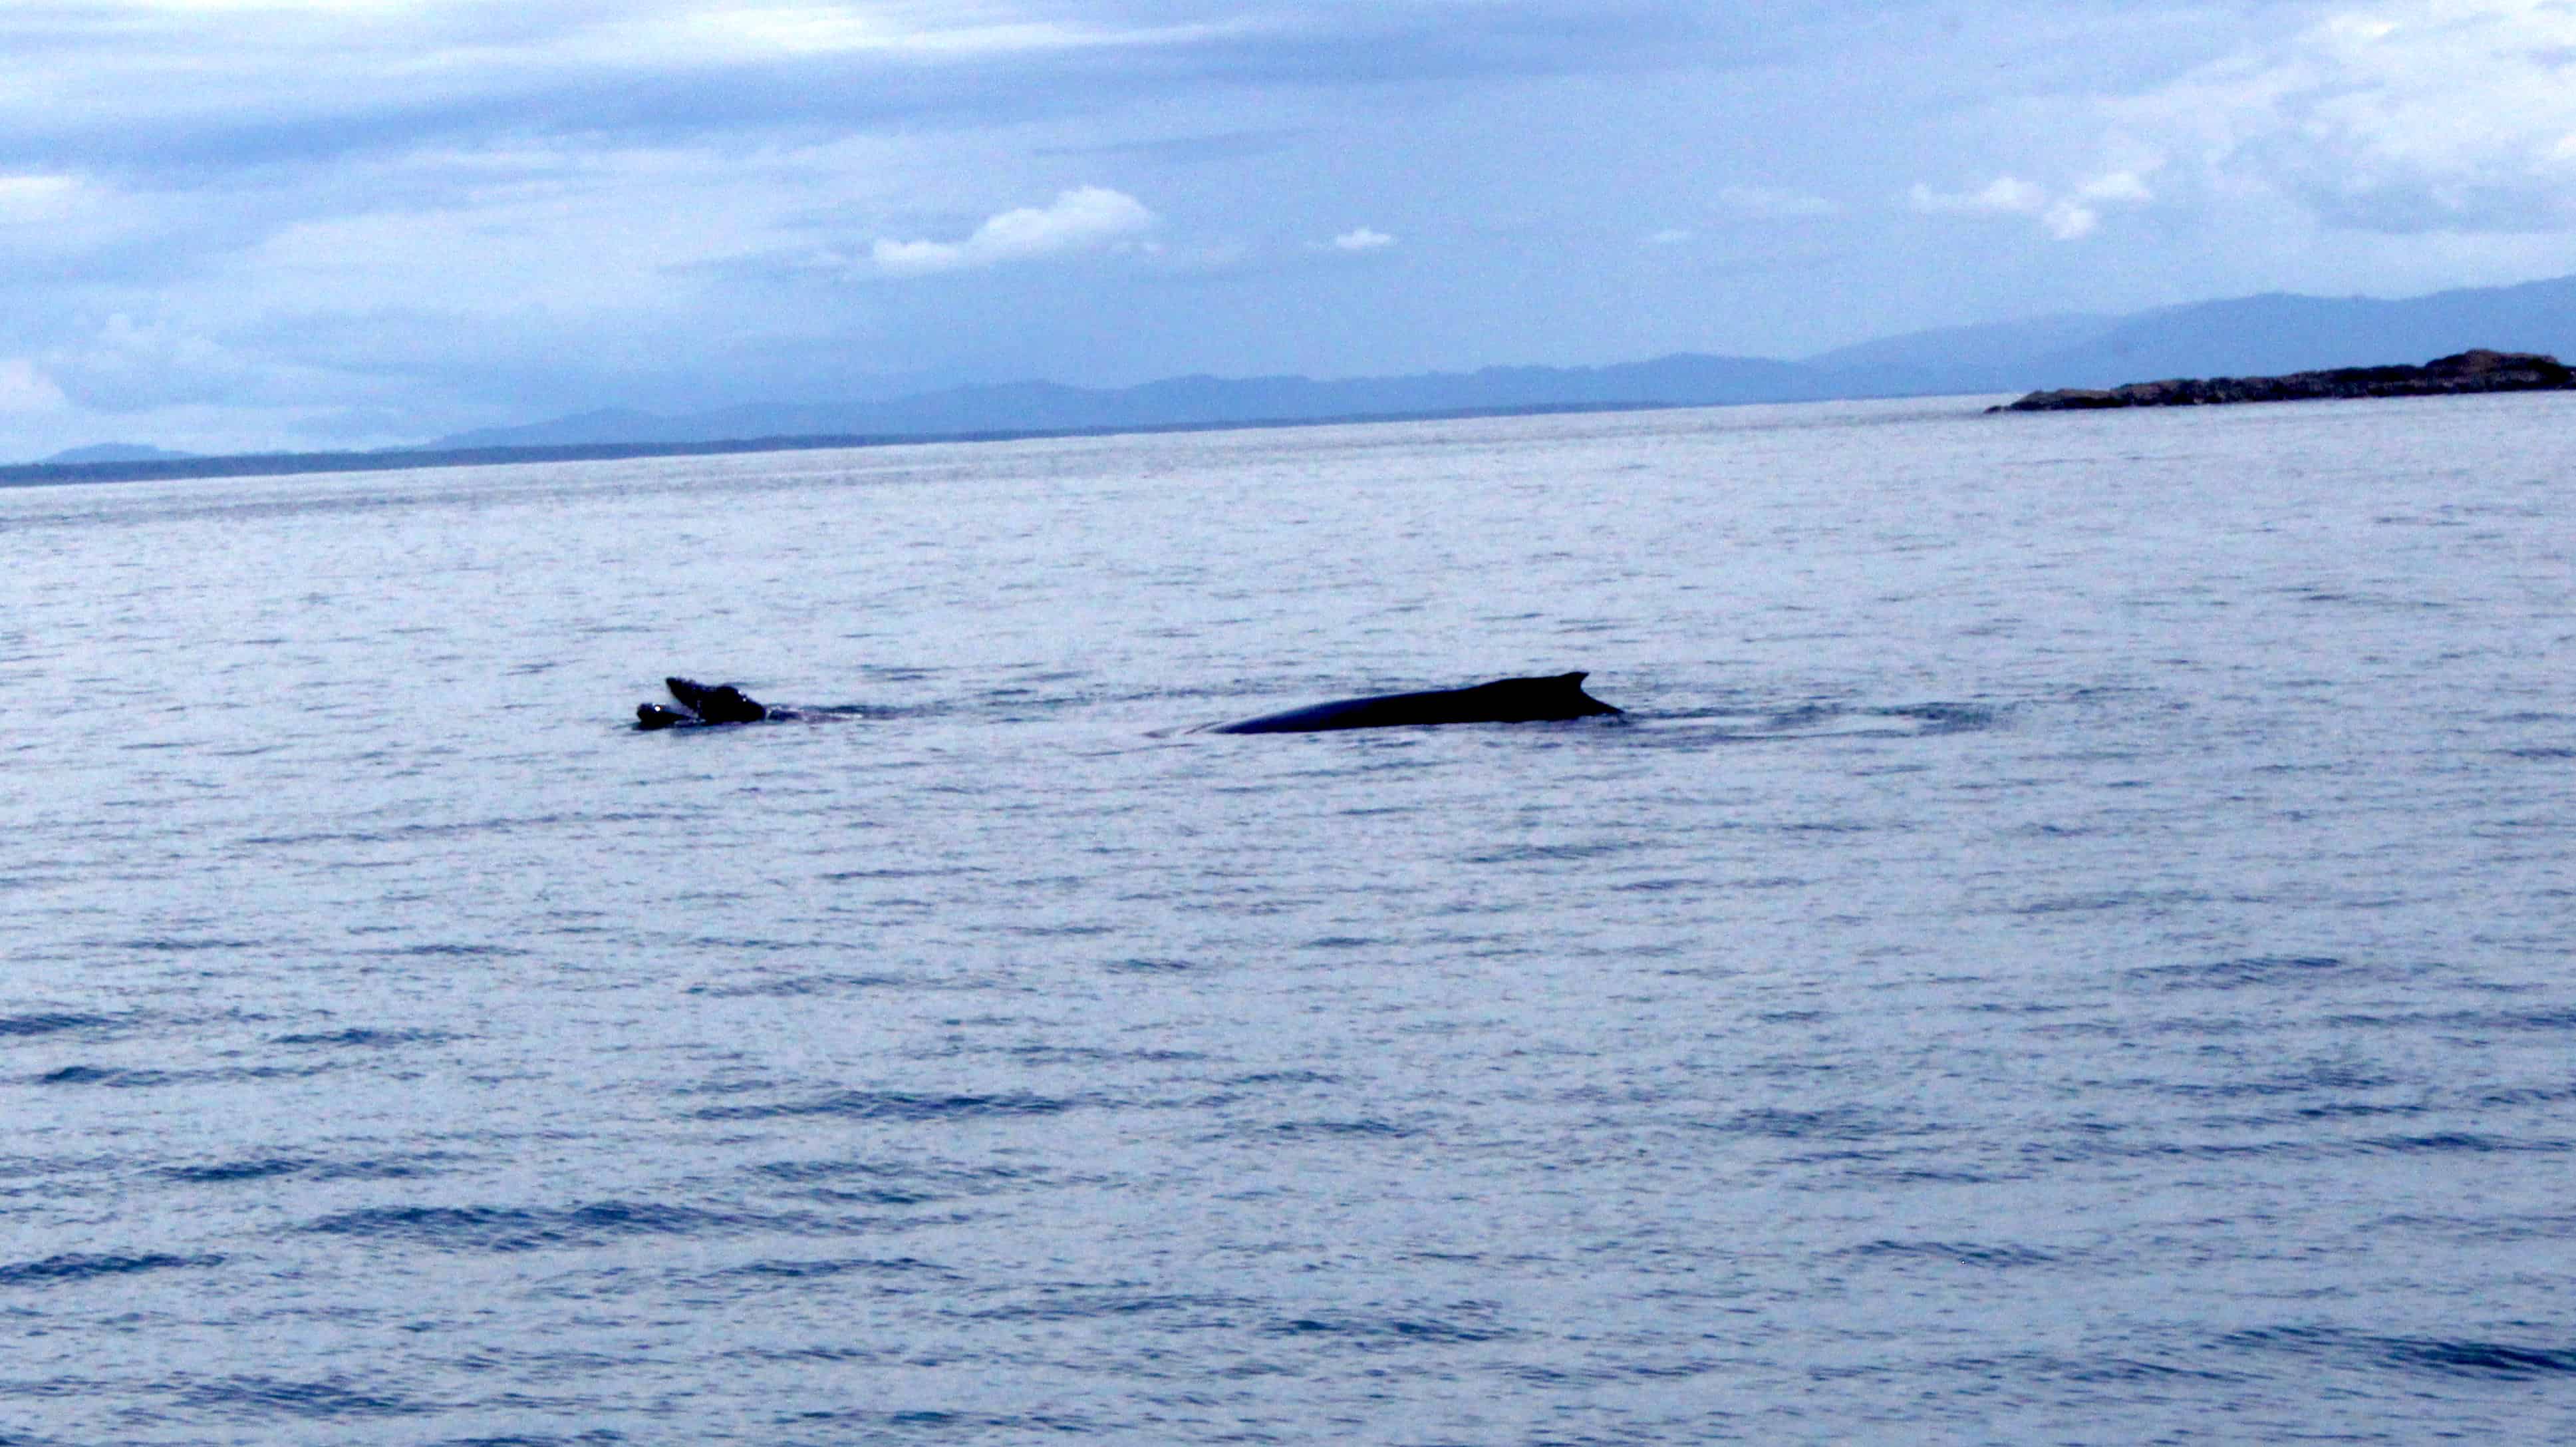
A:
x: 700, y: 705
x: 1505, y: 700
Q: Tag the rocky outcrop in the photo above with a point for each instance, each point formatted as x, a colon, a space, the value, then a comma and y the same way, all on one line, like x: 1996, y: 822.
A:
x: 2472, y: 371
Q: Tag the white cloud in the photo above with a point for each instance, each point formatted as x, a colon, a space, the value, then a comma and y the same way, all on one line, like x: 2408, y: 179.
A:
x: 65, y: 217
x: 2070, y: 220
x: 2004, y: 196
x: 285, y: 7
x: 1086, y: 218
x: 36, y: 197
x: 131, y: 366
x: 280, y: 7
x: 2402, y: 117
x: 26, y: 390
x: 721, y: 29
x: 1752, y: 203
x: 2122, y: 186
x: 1361, y: 238
x: 2069, y: 217
x: 1768, y: 204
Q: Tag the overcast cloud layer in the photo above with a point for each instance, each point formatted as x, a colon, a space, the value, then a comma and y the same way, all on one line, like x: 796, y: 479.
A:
x: 233, y: 224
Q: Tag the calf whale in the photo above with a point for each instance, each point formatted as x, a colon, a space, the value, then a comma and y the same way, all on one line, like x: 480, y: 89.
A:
x: 699, y: 705
x: 1505, y: 700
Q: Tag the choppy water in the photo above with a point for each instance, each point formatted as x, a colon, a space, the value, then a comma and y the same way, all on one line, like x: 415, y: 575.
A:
x: 2073, y: 943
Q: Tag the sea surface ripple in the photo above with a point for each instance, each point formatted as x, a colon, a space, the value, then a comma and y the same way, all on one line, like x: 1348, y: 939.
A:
x: 2071, y: 942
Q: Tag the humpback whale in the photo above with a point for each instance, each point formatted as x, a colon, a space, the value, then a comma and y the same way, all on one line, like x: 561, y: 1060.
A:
x: 700, y: 704
x: 1505, y: 700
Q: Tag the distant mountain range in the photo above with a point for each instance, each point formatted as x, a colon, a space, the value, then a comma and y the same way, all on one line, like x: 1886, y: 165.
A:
x: 2249, y: 336
x: 2259, y: 335
x: 1023, y: 407
x: 118, y: 452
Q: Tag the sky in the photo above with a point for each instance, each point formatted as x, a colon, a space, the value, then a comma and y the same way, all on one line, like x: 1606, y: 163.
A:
x: 314, y: 224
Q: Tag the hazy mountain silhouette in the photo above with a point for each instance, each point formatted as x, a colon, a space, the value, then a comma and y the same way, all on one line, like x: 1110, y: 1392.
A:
x: 2247, y: 336
x: 2276, y: 333
x: 1190, y: 402
x: 118, y: 452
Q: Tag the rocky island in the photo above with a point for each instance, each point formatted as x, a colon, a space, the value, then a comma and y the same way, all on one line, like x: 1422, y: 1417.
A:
x: 2472, y: 371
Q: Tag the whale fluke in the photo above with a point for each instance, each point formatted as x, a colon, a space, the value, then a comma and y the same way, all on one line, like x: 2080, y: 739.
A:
x: 1505, y: 700
x: 700, y: 704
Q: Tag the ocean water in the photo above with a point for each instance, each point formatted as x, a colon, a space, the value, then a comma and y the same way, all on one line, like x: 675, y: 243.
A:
x: 2073, y: 941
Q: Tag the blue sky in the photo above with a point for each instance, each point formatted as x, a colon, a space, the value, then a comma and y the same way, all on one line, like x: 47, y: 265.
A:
x: 255, y: 223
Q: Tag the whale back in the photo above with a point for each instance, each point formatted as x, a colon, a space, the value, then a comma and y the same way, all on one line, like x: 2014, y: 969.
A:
x: 1531, y: 700
x: 720, y: 704
x: 1504, y: 700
